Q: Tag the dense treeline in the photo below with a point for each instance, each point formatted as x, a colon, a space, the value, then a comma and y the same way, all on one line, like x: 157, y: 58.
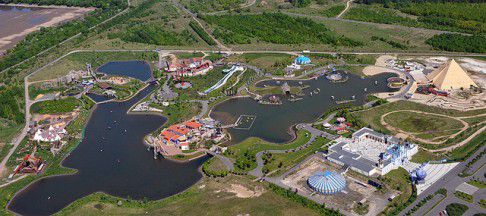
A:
x: 10, y: 103
x: 274, y: 28
x: 442, y: 15
x: 458, y: 43
x: 200, y: 31
x: 152, y: 34
x: 47, y: 37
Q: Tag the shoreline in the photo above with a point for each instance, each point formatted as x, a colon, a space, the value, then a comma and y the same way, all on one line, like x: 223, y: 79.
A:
x: 44, y: 6
x: 16, y: 34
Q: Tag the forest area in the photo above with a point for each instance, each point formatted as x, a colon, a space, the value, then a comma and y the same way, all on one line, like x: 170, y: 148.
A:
x: 458, y: 43
x: 274, y: 28
x: 458, y: 16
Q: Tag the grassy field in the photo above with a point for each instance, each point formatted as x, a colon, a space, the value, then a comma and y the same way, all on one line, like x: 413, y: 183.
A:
x: 479, y: 184
x: 422, y: 123
x: 463, y: 152
x: 268, y: 62
x: 7, y: 130
x: 372, y: 116
x: 423, y: 156
x: 56, y: 106
x: 77, y: 61
x: 459, y: 16
x: 208, y: 197
x: 283, y: 162
x: 398, y: 180
x: 249, y: 147
x: 215, y: 164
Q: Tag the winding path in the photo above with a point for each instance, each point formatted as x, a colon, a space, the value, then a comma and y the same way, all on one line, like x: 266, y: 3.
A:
x: 348, y: 5
x: 449, y: 148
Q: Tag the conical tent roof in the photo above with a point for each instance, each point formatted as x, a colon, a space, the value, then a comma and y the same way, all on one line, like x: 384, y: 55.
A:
x: 450, y: 76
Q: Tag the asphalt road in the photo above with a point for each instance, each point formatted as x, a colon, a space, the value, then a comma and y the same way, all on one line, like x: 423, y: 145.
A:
x: 450, y: 182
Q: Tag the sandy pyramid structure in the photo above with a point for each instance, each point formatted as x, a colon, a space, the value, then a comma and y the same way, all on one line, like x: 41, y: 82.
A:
x: 450, y: 76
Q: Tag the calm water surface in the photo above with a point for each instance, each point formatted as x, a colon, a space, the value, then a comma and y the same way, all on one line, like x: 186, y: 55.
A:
x: 99, y: 98
x: 273, y: 122
x: 114, y: 161
x: 135, y: 69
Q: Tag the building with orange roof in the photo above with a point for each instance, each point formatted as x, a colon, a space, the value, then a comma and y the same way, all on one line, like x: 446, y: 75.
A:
x: 182, y: 135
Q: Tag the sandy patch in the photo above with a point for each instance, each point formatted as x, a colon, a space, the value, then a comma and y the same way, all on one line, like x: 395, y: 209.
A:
x: 374, y: 70
x: 381, y: 61
x: 243, y: 192
x: 473, y: 65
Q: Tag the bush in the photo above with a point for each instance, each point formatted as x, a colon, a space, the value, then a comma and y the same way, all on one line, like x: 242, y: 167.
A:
x: 456, y: 209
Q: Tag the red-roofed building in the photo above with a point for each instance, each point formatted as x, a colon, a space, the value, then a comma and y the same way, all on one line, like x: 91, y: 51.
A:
x: 193, y: 125
x: 182, y: 135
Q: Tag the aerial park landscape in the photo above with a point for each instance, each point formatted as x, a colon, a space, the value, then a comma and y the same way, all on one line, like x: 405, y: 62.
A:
x: 240, y: 107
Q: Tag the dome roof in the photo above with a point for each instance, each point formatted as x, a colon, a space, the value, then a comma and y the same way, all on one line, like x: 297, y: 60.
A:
x: 327, y: 182
x: 421, y: 174
x: 302, y: 60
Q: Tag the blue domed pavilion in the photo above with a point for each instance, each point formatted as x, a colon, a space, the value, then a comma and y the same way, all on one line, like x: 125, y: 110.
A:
x: 302, y: 60
x: 327, y: 182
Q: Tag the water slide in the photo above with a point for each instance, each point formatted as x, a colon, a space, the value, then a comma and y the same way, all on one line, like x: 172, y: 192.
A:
x: 222, y: 81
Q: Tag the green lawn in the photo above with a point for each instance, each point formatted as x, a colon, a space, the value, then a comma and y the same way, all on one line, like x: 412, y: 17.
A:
x: 207, y: 197
x: 419, y: 123
x: 286, y: 161
x: 463, y: 152
x: 55, y: 106
x: 423, y: 156
x: 372, y: 116
x: 464, y: 196
x: 398, y: 179
x: 243, y: 151
x: 479, y: 184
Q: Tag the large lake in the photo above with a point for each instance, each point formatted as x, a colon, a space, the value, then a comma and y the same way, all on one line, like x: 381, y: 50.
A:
x: 273, y: 122
x: 114, y: 161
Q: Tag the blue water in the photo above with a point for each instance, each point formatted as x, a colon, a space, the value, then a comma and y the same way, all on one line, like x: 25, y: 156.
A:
x: 98, y: 98
x: 135, y: 69
x: 273, y: 122
x: 113, y: 159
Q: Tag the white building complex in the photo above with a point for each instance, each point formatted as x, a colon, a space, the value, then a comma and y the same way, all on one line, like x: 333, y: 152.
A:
x: 371, y: 153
